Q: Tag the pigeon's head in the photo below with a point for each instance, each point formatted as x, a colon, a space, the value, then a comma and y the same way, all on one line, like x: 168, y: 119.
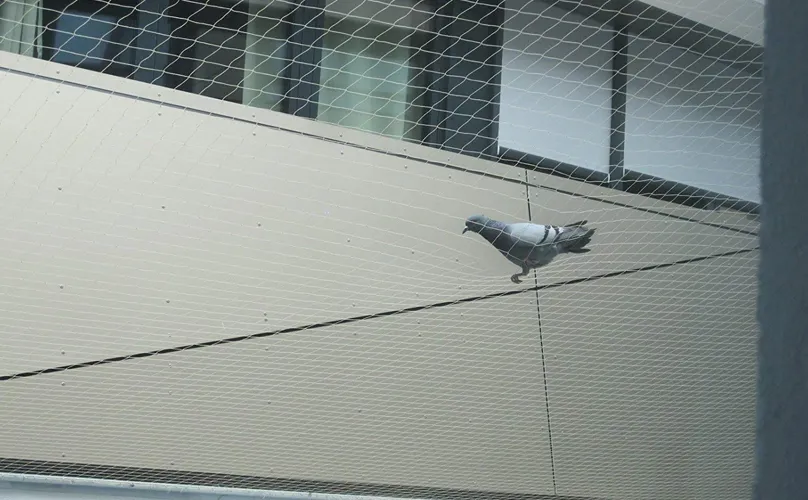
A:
x: 476, y: 223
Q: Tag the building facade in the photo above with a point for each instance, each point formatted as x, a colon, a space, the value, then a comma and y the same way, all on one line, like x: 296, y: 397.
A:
x: 232, y: 252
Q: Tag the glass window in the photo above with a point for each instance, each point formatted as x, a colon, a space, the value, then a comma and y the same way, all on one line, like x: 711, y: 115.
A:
x: 555, y: 100
x: 231, y: 51
x: 218, y: 63
x: 90, y: 35
x: 371, y: 75
x: 264, y: 58
x: 21, y: 27
x: 693, y: 120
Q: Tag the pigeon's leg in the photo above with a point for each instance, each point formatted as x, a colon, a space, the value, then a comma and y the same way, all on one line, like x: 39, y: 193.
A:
x: 515, y: 277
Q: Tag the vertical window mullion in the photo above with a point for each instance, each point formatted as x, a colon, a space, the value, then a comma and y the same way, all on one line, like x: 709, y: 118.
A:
x: 436, y: 81
x: 153, y: 41
x: 305, y: 24
x: 180, y: 65
x: 617, y: 136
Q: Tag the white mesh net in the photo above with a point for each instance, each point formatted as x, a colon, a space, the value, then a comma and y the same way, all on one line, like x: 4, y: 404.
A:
x: 231, y: 249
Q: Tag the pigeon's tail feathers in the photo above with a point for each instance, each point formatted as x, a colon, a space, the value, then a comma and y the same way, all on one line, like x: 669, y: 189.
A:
x: 581, y: 223
x: 575, y: 238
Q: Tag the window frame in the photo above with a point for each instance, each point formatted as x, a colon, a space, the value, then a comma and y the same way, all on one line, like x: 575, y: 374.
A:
x: 306, y: 34
x: 418, y: 60
x: 304, y: 27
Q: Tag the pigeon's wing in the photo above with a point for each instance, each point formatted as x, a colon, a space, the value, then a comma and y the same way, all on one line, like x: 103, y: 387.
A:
x: 529, y: 235
x: 525, y: 237
x: 534, y: 243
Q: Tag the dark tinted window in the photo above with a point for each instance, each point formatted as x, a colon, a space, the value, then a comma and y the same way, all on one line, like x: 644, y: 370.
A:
x: 91, y: 35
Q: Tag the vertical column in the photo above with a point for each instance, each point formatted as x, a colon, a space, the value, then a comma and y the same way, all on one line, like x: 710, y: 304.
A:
x: 617, y: 137
x: 782, y: 433
x: 305, y: 24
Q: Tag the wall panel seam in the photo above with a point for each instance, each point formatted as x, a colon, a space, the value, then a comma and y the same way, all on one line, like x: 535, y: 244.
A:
x: 543, y: 359
x: 395, y: 312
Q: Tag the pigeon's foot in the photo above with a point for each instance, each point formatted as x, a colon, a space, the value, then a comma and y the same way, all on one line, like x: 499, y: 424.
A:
x: 515, y: 278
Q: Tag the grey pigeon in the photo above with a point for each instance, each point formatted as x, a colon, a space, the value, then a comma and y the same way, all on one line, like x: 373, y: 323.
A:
x: 531, y: 246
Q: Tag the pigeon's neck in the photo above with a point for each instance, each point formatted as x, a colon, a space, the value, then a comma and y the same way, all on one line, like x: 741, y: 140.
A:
x: 493, y: 229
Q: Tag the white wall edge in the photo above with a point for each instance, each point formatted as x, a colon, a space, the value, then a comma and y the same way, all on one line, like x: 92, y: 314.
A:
x: 28, y: 481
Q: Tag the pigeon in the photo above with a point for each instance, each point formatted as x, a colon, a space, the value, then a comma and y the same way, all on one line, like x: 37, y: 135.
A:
x: 531, y: 246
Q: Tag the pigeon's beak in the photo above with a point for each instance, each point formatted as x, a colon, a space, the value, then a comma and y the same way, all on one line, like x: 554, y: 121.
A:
x: 464, y: 230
